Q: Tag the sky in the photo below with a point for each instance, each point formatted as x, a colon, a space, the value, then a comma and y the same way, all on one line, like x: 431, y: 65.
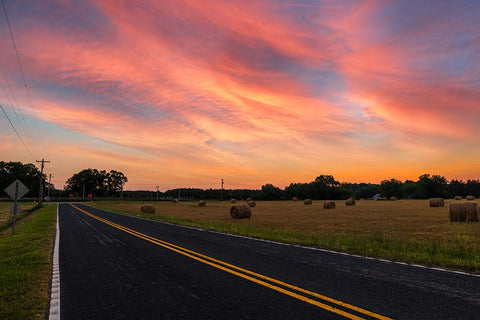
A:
x: 186, y: 93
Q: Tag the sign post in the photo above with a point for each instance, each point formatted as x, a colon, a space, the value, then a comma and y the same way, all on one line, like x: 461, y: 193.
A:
x: 16, y: 191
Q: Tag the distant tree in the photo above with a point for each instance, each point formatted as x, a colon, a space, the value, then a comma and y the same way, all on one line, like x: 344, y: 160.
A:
x: 324, y: 187
x: 116, y: 180
x: 270, y: 192
x: 28, y: 174
x: 364, y: 190
x: 411, y: 190
x: 473, y: 188
x: 433, y: 186
x: 96, y: 182
x: 457, y: 188
x: 392, y: 187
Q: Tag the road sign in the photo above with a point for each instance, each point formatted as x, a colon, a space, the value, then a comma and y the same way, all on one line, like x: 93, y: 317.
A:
x: 14, y: 209
x: 14, y: 193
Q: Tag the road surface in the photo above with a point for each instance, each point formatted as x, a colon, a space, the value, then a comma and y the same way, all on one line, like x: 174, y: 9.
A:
x: 115, y: 266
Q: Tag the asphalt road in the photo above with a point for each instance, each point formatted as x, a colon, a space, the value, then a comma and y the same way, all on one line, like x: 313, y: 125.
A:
x: 130, y: 268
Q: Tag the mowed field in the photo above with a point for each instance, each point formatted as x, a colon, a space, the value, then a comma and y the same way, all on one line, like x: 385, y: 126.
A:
x: 406, y: 230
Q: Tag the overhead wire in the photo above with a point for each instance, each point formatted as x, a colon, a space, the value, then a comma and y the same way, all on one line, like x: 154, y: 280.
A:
x: 21, y: 119
x: 18, y: 135
x: 23, y: 77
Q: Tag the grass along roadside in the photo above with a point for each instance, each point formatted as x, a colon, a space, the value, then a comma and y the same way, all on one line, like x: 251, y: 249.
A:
x: 408, y: 230
x: 6, y: 218
x: 26, y: 266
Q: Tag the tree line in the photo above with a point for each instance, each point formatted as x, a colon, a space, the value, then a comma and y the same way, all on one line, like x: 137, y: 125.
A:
x: 100, y: 183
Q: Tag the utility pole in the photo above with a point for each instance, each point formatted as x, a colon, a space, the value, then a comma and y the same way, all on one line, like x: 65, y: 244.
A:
x: 49, y: 180
x: 222, y: 190
x: 157, y: 191
x: 40, y: 194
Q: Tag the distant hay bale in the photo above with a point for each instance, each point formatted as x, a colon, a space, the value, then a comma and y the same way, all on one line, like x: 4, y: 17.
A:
x: 458, y: 198
x: 147, y: 209
x: 463, y: 212
x: 240, y: 211
x: 329, y: 205
x: 202, y: 203
x: 436, y: 202
x: 233, y: 200
x: 294, y: 199
x: 175, y: 200
x: 249, y: 199
x: 393, y: 198
x: 470, y: 198
x: 350, y: 202
x: 252, y: 204
x: 307, y: 202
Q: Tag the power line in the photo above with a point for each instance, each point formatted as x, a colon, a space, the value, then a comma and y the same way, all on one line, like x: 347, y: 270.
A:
x: 23, y: 75
x: 26, y: 129
x: 18, y: 135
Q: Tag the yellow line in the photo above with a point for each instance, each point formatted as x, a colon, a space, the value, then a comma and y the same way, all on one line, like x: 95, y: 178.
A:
x: 218, y: 264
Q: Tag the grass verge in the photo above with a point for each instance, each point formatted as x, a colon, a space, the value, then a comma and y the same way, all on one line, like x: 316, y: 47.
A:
x: 406, y: 231
x: 26, y: 266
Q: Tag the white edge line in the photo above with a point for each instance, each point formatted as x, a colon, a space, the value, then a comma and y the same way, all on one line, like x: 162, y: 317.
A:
x: 305, y: 247
x: 54, y: 312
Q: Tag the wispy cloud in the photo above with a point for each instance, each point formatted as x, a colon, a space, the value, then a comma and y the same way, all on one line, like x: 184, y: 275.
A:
x: 260, y: 92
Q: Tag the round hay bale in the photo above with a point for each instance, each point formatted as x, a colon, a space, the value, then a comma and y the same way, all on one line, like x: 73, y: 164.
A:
x: 307, y: 202
x: 147, y: 209
x: 458, y: 198
x: 240, y: 211
x: 233, y: 200
x: 329, y: 205
x: 252, y: 204
x: 294, y: 199
x: 470, y: 198
x: 202, y: 203
x: 436, y: 202
x: 175, y: 200
x: 463, y: 212
x: 350, y: 202
x: 393, y: 198
x: 249, y: 199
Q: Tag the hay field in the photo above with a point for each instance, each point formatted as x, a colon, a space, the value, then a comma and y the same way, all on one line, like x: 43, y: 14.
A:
x: 404, y: 230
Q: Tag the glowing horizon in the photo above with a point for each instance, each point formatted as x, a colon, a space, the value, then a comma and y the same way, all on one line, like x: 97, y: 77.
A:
x: 186, y: 93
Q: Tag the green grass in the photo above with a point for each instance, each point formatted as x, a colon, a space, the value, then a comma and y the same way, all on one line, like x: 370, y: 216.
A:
x: 6, y: 218
x: 407, y: 230
x: 26, y: 266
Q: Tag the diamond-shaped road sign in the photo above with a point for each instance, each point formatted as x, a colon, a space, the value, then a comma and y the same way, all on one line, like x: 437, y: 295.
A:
x: 11, y: 190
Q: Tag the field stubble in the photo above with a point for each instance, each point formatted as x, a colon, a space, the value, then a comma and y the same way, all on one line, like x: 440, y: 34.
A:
x: 406, y: 230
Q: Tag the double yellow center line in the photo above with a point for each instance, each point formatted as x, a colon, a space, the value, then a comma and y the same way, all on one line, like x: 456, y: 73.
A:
x: 274, y: 284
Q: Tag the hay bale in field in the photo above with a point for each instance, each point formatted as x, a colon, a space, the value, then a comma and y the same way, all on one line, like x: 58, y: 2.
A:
x: 249, y: 199
x: 202, y: 203
x: 329, y: 205
x: 175, y: 200
x: 240, y: 211
x: 252, y: 204
x: 307, y: 202
x: 350, y: 202
x: 147, y: 209
x: 436, y: 202
x: 470, y: 198
x: 393, y: 198
x: 458, y: 198
x: 463, y: 212
x: 294, y: 199
x: 233, y: 200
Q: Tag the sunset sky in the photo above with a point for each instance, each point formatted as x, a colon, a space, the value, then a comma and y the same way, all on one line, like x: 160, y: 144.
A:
x: 185, y: 93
